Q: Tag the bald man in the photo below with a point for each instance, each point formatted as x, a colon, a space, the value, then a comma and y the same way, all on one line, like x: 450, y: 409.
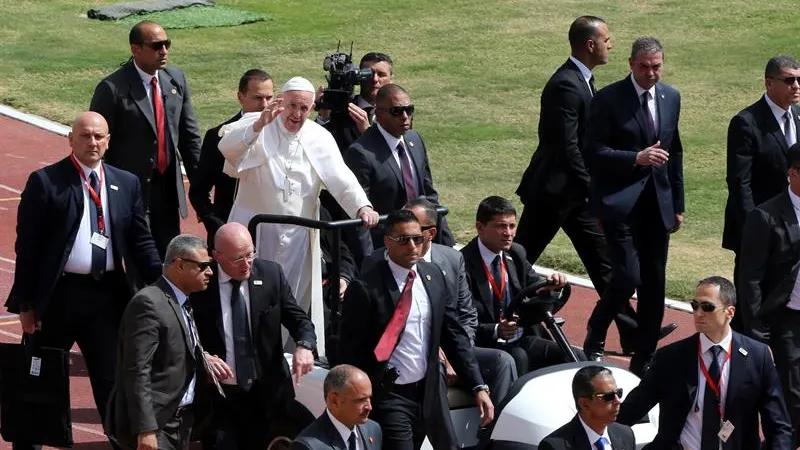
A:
x: 239, y: 319
x: 78, y: 220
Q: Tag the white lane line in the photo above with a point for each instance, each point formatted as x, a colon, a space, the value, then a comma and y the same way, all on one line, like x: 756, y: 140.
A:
x: 6, y: 270
x: 10, y: 189
x: 88, y: 430
x: 7, y: 316
x: 10, y: 261
x: 15, y: 156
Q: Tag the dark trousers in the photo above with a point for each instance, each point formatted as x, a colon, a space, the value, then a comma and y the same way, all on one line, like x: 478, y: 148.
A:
x: 638, y: 252
x: 162, y: 211
x: 498, y: 369
x: 88, y: 312
x: 737, y: 323
x: 404, y: 423
x: 533, y: 352
x: 177, y: 432
x: 239, y: 420
x: 538, y: 224
x: 785, y: 345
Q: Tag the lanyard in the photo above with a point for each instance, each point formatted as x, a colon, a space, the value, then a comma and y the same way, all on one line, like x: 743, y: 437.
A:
x: 498, y: 292
x: 94, y: 196
x: 716, y: 388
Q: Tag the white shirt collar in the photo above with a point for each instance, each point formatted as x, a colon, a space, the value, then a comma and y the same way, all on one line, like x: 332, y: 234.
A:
x: 179, y: 295
x: 390, y: 140
x: 587, y: 74
x: 640, y: 90
x: 725, y: 343
x: 794, y: 198
x: 223, y: 277
x: 342, y: 428
x: 592, y: 435
x: 144, y: 75
x: 87, y: 170
x: 487, y: 255
x: 399, y: 272
x: 777, y: 111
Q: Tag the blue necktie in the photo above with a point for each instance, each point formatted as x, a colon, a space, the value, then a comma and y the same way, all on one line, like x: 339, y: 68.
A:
x: 98, y: 254
x: 709, y: 440
x: 351, y: 441
x: 242, y: 344
x: 601, y: 443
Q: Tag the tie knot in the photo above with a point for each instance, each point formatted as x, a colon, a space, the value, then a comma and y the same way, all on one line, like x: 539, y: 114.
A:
x: 235, y: 283
x: 401, y: 148
x: 154, y: 81
x: 715, y: 351
x: 645, y: 96
x: 601, y: 443
x: 187, y: 307
x: 93, y: 176
x: 351, y: 441
x: 411, y: 275
x: 496, y: 261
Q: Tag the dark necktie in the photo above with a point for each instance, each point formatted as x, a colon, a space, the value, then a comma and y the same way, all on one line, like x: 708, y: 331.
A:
x: 98, y: 253
x: 787, y: 128
x: 161, y: 135
x: 591, y: 85
x: 498, y: 281
x: 351, y: 441
x: 651, y: 125
x: 711, y: 409
x: 601, y: 443
x: 383, y: 351
x: 408, y: 179
x: 242, y: 344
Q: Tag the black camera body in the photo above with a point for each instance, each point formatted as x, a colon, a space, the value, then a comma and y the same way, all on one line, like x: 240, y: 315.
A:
x: 343, y: 75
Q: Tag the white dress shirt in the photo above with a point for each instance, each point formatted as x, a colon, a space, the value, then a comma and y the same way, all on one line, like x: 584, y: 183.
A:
x: 651, y: 101
x: 225, y: 290
x: 794, y: 298
x: 585, y: 71
x: 488, y: 257
x: 344, y: 431
x: 692, y: 430
x: 188, y: 396
x: 410, y: 357
x: 593, y: 436
x: 146, y: 77
x: 779, y: 114
x: 392, y: 142
x: 80, y: 257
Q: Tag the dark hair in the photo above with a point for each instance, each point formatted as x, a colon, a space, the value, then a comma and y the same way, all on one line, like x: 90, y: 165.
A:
x: 376, y: 57
x: 727, y: 291
x: 136, y: 36
x: 493, y: 206
x: 387, y: 90
x: 793, y: 156
x: 426, y: 206
x: 338, y: 378
x: 647, y: 45
x: 778, y: 63
x: 398, y: 217
x: 582, y: 381
x: 182, y: 246
x: 582, y: 29
x: 252, y: 74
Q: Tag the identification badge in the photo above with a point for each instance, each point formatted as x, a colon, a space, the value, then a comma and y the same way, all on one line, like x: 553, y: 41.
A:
x: 99, y: 240
x: 36, y: 366
x: 726, y: 430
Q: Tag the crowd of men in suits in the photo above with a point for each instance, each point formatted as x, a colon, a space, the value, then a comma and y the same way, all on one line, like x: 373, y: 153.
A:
x: 200, y: 348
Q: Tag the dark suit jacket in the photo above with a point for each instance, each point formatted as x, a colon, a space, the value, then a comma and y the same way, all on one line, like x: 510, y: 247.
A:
x: 557, y: 168
x: 368, y: 306
x: 770, y: 261
x: 520, y: 274
x: 615, y: 132
x: 155, y: 364
x: 756, y: 165
x: 342, y: 127
x: 122, y: 100
x: 373, y: 164
x: 572, y: 436
x: 272, y: 304
x: 322, y: 434
x: 753, y: 390
x: 48, y: 218
x: 209, y: 176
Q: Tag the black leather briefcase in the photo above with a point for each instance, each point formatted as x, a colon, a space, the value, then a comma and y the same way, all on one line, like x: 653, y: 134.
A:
x: 34, y: 394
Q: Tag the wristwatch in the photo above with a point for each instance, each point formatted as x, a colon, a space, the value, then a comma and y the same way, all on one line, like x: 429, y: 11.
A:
x: 480, y: 387
x: 306, y: 345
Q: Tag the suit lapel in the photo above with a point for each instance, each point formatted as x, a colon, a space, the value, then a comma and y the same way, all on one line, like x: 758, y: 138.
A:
x: 176, y: 308
x: 391, y: 286
x: 169, y: 99
x: 472, y: 255
x: 578, y: 76
x: 513, y: 279
x: 635, y: 104
x: 334, y: 438
x: 383, y: 152
x: 662, y: 108
x: 256, y: 286
x: 789, y: 219
x: 771, y: 124
x: 139, y: 96
x: 690, y: 371
x: 433, y: 289
x: 367, y: 442
x: 580, y: 440
x: 414, y: 148
x: 215, y: 306
x: 736, y: 371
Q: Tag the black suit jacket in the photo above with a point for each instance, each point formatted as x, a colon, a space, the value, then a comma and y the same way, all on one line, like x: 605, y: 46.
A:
x: 373, y: 164
x: 770, y: 262
x: 753, y: 390
x: 272, y: 304
x: 122, y: 100
x: 520, y: 274
x: 321, y: 433
x: 557, y: 168
x: 209, y: 176
x: 572, y: 436
x: 616, y: 131
x: 48, y: 218
x: 756, y: 168
x: 343, y: 128
x: 369, y: 304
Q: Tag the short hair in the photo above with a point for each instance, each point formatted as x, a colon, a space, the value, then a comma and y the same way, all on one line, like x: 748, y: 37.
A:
x: 493, y: 206
x: 582, y: 381
x: 388, y: 90
x: 727, y: 291
x: 376, y: 57
x: 582, y: 29
x: 398, y: 217
x: 646, y: 44
x: 252, y: 74
x: 338, y: 378
x: 426, y: 206
x: 136, y: 36
x: 182, y: 246
x: 793, y: 156
x: 778, y: 63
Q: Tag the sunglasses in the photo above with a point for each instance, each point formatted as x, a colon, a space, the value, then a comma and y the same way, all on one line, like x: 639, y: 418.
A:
x: 156, y: 46
x: 609, y: 397
x: 417, y: 239
x: 789, y: 81
x: 398, y: 111
x: 705, y: 306
x: 202, y: 265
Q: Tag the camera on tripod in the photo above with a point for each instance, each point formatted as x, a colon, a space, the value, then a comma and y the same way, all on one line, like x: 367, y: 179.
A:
x: 343, y: 75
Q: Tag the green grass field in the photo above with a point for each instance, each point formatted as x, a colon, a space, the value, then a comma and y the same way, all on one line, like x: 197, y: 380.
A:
x: 475, y: 70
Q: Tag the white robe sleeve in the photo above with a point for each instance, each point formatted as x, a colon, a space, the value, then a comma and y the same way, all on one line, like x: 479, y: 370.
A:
x: 340, y: 180
x: 241, y: 146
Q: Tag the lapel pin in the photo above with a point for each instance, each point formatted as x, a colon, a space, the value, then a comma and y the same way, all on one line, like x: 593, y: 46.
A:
x: 662, y: 95
x: 428, y: 277
x: 371, y: 440
x: 174, y: 91
x: 742, y: 351
x: 257, y: 282
x: 410, y: 144
x: 444, y: 272
x: 113, y: 187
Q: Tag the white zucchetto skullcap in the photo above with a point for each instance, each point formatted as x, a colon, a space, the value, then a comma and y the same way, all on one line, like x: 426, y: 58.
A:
x: 298, y: 84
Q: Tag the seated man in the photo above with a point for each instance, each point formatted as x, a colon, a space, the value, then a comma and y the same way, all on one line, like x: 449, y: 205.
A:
x: 597, y: 399
x: 497, y: 271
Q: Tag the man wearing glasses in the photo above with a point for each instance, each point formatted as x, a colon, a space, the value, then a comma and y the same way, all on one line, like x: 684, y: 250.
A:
x: 597, y: 400
x: 712, y: 387
x: 149, y: 112
x: 391, y: 162
x: 758, y: 138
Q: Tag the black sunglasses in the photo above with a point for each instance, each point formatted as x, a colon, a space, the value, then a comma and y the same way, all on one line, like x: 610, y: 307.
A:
x: 398, y: 111
x: 705, y: 306
x: 608, y: 397
x: 156, y: 46
x: 789, y: 81
x: 417, y: 239
x: 202, y: 265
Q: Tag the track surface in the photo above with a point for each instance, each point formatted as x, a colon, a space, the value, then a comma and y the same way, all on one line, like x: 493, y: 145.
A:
x: 26, y: 148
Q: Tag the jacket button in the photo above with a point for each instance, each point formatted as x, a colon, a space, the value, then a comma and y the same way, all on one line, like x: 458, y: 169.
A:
x: 155, y: 143
x: 147, y: 180
x: 152, y: 160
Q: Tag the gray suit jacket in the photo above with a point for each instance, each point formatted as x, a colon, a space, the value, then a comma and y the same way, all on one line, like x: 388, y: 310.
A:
x: 155, y: 363
x: 322, y: 434
x: 572, y: 436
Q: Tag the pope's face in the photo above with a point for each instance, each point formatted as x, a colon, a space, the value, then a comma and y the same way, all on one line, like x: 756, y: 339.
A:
x: 297, y: 105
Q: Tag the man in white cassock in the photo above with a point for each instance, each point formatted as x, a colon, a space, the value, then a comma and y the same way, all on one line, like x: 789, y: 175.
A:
x: 283, y: 161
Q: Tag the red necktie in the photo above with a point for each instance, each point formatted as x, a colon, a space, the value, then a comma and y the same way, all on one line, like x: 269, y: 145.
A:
x: 408, y: 179
x: 397, y: 323
x: 158, y: 109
